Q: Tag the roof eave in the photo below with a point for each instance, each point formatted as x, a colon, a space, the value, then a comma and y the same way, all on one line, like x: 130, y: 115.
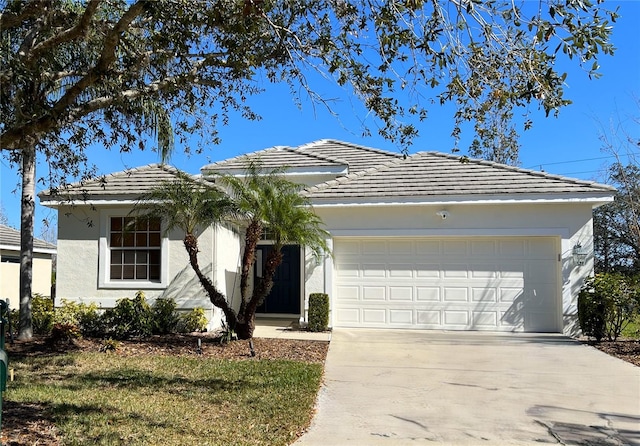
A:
x: 593, y: 199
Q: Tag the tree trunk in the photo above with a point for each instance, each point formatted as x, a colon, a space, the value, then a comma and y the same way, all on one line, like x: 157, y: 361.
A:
x: 261, y: 290
x: 27, y: 215
x: 215, y: 296
x: 252, y: 237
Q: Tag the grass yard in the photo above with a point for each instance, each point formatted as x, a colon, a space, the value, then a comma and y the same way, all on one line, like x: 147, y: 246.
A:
x: 632, y: 330
x: 107, y: 399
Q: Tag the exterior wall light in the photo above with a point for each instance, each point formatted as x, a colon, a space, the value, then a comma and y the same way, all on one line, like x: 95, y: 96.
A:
x: 580, y: 254
x: 443, y: 214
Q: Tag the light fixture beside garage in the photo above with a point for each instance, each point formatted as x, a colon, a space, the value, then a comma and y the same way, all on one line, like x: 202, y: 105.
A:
x: 443, y: 214
x: 580, y: 254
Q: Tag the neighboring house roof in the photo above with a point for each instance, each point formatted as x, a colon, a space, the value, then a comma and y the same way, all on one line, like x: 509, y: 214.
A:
x: 126, y: 185
x: 10, y: 240
x: 432, y: 176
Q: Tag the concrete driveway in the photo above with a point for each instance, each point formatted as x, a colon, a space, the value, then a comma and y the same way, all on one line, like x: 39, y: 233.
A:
x: 397, y: 387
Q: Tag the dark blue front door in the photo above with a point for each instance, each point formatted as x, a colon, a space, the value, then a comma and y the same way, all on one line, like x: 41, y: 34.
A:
x: 285, y: 294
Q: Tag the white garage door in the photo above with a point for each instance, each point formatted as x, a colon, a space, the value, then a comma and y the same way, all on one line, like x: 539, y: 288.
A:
x: 497, y: 284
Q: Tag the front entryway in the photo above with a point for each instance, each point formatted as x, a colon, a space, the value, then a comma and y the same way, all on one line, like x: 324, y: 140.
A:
x: 285, y: 294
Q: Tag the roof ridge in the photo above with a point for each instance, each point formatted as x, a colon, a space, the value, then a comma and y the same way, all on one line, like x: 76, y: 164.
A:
x: 354, y: 175
x: 320, y: 156
x: 350, y: 144
x: 242, y: 155
x: 536, y: 173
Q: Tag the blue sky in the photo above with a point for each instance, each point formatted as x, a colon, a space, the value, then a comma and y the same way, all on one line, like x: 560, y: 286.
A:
x: 568, y: 145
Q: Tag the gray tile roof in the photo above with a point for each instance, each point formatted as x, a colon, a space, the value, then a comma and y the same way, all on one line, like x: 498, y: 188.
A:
x: 432, y: 175
x: 276, y: 157
x: 128, y: 184
x: 325, y: 153
x: 358, y: 157
x: 11, y: 238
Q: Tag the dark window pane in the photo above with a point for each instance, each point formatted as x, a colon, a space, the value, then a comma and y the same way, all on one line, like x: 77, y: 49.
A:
x: 116, y: 239
x: 154, y: 224
x: 128, y: 239
x: 154, y: 239
x: 141, y: 239
x: 129, y: 257
x: 154, y: 257
x: 141, y: 272
x: 116, y: 223
x: 116, y: 257
x: 141, y: 257
x: 128, y: 271
x: 129, y: 224
x: 116, y: 272
x: 142, y: 224
x: 154, y: 272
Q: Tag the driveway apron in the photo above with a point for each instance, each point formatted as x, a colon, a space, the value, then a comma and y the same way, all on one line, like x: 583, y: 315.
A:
x: 427, y: 387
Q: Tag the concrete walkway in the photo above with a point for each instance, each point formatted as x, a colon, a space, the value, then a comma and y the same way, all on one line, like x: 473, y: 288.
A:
x: 396, y: 387
x: 286, y: 329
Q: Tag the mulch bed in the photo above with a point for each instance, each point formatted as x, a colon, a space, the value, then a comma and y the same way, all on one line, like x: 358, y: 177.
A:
x: 625, y: 349
x: 27, y: 424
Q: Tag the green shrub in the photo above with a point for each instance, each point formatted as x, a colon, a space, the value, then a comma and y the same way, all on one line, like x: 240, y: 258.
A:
x: 42, y: 314
x: 84, y: 316
x: 607, y: 303
x: 194, y: 320
x: 318, y: 311
x: 165, y: 316
x: 129, y: 318
x: 63, y: 334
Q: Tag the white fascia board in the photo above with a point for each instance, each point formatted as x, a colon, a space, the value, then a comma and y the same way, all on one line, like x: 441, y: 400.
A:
x: 92, y: 202
x: 594, y: 200
x: 453, y: 232
x: 38, y: 250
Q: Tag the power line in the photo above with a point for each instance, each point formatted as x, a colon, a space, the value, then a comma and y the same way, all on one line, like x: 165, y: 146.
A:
x: 576, y: 161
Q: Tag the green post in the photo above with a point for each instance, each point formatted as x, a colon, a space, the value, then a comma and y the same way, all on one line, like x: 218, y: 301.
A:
x: 4, y: 358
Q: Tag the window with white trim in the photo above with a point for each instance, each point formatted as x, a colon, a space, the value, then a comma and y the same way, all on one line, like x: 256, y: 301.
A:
x: 135, y: 252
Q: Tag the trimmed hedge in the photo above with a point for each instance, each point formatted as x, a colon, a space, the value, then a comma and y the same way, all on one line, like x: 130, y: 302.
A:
x: 318, y: 312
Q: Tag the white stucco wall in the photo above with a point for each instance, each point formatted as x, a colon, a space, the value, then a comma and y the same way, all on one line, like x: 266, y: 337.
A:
x: 570, y: 223
x: 79, y: 250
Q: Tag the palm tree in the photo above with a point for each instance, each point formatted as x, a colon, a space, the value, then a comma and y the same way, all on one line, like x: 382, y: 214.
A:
x: 273, y: 204
x: 190, y: 205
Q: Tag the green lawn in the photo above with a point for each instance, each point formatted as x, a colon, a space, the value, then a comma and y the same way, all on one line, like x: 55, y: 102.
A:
x: 106, y: 399
x: 633, y: 329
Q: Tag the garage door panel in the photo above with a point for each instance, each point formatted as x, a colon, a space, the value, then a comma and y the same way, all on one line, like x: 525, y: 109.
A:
x: 456, y: 318
x: 374, y: 293
x: 429, y: 271
x: 452, y: 270
x: 487, y: 319
x: 455, y: 247
x: 429, y: 294
x: 401, y: 293
x: 492, y: 284
x: 374, y: 270
x: 374, y: 316
x: 484, y: 295
x: 347, y: 293
x: 402, y: 270
x: 456, y: 294
x: 401, y: 317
